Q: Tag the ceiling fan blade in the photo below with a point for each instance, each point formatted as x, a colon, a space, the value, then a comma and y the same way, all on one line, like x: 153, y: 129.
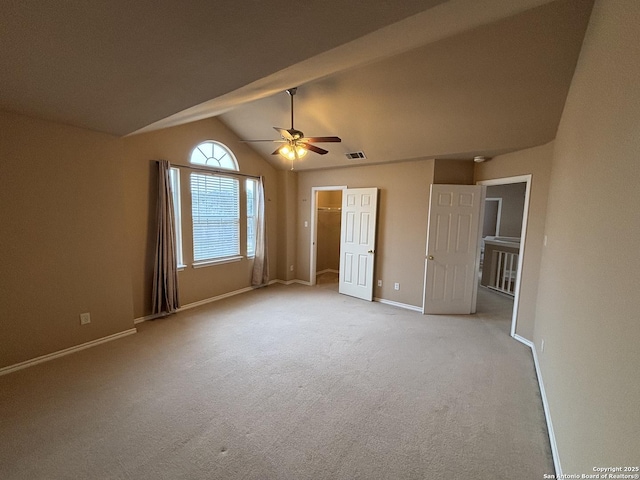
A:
x: 313, y: 148
x: 322, y: 139
x: 284, y: 132
x: 249, y: 141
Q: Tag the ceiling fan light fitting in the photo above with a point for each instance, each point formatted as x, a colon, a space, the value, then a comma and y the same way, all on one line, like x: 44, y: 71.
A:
x: 289, y: 152
x: 301, y: 152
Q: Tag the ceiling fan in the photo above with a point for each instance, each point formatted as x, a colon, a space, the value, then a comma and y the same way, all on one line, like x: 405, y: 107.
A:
x: 296, y: 144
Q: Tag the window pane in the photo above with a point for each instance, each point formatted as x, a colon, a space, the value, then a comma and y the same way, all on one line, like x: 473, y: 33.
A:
x: 198, y: 157
x: 218, y: 153
x: 207, y: 149
x: 251, y: 187
x: 214, y: 154
x: 174, y: 181
x: 216, y: 216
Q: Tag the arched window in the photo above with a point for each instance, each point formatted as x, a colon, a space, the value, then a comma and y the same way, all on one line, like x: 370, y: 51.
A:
x: 215, y: 205
x: 214, y: 154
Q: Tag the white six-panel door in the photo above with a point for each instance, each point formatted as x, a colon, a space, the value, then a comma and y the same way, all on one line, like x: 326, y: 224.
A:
x: 452, y: 249
x: 358, y: 241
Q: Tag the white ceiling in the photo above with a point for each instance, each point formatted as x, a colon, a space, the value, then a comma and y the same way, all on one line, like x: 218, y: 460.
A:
x: 398, y: 80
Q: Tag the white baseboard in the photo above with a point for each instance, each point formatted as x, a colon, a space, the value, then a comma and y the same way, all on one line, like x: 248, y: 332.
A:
x: 327, y: 270
x: 290, y: 282
x: 527, y: 342
x: 545, y: 405
x: 66, y: 351
x: 215, y: 299
x: 398, y: 304
x: 148, y: 317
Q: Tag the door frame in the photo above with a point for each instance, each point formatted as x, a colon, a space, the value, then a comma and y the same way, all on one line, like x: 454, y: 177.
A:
x: 523, y: 235
x: 313, y: 236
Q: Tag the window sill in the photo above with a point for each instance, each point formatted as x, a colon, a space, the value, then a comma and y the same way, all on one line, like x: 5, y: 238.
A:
x: 181, y: 267
x: 219, y: 261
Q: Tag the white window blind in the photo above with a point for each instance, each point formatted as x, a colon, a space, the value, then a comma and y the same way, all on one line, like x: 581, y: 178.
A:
x: 252, y: 188
x: 216, y: 216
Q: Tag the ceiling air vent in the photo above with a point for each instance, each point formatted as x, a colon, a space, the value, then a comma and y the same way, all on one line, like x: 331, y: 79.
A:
x: 355, y: 155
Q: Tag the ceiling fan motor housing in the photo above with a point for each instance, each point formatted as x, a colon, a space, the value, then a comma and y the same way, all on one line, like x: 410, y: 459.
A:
x: 296, y: 134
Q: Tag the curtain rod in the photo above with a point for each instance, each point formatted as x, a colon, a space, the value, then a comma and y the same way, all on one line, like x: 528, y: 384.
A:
x: 211, y: 170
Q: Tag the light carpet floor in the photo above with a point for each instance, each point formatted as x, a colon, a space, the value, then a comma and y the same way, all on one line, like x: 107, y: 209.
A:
x: 285, y: 383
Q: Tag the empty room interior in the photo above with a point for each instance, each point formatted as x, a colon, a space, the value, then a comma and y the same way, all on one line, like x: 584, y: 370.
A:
x: 437, y: 279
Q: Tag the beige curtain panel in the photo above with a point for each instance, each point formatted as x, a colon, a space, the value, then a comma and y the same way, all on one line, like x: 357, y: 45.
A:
x: 165, y: 278
x: 260, y: 275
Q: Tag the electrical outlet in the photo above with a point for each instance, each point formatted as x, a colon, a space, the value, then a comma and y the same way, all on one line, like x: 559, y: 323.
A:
x: 542, y: 346
x: 85, y: 318
x: 396, y: 286
x: 379, y: 283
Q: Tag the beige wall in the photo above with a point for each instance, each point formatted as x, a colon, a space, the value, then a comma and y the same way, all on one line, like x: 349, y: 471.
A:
x: 63, y: 246
x: 328, y: 244
x: 513, y: 196
x: 175, y: 145
x: 78, y: 230
x: 330, y: 198
x: 402, y: 222
x: 453, y: 172
x: 536, y: 162
x: 287, y: 221
x: 328, y: 234
x: 588, y: 303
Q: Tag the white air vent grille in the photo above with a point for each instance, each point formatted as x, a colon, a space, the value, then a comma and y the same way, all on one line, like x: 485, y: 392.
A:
x: 355, y: 155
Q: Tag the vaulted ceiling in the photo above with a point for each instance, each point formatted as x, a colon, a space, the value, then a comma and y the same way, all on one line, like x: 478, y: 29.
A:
x: 397, y: 80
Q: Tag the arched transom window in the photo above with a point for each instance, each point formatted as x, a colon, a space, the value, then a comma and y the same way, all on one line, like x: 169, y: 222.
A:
x: 214, y: 154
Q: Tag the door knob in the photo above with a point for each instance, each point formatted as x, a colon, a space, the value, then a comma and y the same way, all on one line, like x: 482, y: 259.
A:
x: 371, y: 251
x: 430, y: 257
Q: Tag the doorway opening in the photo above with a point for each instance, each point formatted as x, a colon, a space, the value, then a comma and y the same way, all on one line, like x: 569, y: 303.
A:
x: 326, y: 208
x: 503, y: 242
x: 492, y: 215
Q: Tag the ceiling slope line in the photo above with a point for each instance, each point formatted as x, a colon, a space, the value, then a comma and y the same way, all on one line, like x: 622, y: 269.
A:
x: 437, y: 23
